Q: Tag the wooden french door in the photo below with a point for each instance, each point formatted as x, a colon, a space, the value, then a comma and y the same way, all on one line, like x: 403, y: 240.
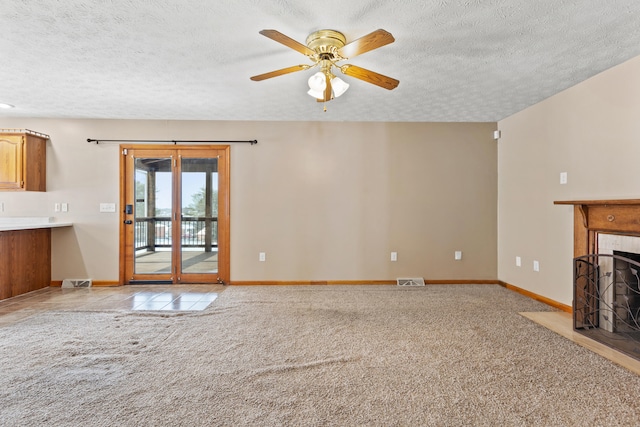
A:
x: 175, y: 216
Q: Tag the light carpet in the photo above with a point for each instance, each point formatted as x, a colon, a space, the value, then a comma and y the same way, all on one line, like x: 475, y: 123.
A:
x: 308, y: 356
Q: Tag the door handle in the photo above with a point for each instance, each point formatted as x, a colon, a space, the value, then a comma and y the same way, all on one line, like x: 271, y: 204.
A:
x: 128, y: 221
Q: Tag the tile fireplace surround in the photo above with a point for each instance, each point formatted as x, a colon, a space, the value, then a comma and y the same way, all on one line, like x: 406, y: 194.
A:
x: 606, y: 303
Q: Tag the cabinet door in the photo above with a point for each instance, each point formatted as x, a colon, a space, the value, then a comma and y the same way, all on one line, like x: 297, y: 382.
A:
x: 34, y: 163
x: 30, y: 260
x: 11, y: 165
x: 25, y: 264
x: 5, y: 265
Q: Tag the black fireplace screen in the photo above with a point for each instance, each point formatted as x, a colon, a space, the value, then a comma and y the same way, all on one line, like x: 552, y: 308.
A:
x: 606, y: 299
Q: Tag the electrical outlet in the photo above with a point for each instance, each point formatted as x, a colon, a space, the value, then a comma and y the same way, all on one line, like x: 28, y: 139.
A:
x: 518, y: 261
x: 457, y: 255
x: 536, y: 266
x: 65, y: 207
x: 563, y: 177
x: 1, y: 206
x: 262, y: 256
x: 394, y: 256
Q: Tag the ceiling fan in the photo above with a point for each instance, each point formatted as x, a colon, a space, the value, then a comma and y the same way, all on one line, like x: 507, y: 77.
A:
x: 325, y: 48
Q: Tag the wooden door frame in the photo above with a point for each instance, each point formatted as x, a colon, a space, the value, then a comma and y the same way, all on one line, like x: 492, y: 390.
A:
x: 224, y: 233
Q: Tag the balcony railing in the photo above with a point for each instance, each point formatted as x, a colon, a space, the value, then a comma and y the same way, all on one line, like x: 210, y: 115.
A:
x: 197, y: 232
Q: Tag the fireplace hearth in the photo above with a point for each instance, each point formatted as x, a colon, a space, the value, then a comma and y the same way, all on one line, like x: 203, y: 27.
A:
x: 606, y: 265
x: 607, y: 300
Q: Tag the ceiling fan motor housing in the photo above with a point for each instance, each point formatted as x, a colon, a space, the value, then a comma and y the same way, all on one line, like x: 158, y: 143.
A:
x: 326, y: 42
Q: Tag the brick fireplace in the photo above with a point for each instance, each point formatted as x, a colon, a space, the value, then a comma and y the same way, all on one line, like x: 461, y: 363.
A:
x: 606, y: 303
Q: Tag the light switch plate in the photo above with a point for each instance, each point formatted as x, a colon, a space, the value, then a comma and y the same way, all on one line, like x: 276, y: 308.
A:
x: 536, y: 266
x: 518, y: 261
x: 394, y: 256
x: 262, y: 256
x: 107, y: 207
x: 457, y: 255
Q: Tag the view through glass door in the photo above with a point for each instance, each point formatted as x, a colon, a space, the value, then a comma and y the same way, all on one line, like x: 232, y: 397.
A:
x: 176, y: 215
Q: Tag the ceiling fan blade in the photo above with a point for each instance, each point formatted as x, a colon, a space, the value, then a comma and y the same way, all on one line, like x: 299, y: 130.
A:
x: 277, y: 73
x: 369, y: 76
x: 366, y: 43
x: 287, y: 41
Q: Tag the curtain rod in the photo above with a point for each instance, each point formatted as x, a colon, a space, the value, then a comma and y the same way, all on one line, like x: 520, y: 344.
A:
x: 174, y: 141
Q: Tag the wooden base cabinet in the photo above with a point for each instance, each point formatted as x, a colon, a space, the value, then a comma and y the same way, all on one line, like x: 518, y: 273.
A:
x: 25, y: 261
x: 23, y: 160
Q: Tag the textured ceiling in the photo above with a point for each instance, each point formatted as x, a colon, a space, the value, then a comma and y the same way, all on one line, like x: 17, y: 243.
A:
x: 466, y: 60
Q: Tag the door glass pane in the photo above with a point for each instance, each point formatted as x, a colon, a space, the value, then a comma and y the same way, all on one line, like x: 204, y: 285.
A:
x: 152, y: 216
x: 199, y: 220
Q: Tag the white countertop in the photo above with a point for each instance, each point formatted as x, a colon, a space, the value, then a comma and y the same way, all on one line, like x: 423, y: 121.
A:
x: 30, y: 223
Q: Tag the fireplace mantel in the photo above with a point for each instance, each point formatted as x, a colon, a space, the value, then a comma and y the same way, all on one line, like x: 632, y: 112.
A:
x: 621, y: 216
x: 598, y: 202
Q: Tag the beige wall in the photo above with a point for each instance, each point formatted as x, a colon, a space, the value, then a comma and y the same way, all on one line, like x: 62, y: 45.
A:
x: 325, y: 201
x: 592, y: 132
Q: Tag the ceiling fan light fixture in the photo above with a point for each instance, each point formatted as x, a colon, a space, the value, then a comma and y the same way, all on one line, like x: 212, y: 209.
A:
x: 317, y: 82
x: 339, y: 86
x: 317, y: 94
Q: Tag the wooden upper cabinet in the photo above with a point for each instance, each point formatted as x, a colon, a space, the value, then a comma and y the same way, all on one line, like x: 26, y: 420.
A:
x: 23, y: 161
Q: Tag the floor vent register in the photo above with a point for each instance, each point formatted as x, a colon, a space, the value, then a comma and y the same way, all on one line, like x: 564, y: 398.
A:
x: 76, y: 283
x: 411, y: 281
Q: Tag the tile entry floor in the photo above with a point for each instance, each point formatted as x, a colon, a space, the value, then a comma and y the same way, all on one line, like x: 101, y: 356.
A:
x: 130, y: 297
